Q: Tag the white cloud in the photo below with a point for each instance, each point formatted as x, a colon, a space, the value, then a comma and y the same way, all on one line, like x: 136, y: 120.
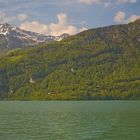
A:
x: 83, y: 29
x: 132, y: 18
x: 2, y: 14
x: 105, y: 3
x: 22, y: 17
x: 127, y: 1
x: 62, y: 26
x: 89, y: 1
x: 5, y: 18
x: 2, y: 17
x: 120, y: 17
x: 83, y: 22
x: 34, y: 26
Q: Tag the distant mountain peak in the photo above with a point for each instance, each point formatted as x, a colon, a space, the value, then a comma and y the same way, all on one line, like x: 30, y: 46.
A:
x: 14, y: 37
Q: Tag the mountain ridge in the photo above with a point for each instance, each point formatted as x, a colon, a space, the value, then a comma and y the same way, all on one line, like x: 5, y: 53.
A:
x: 97, y: 64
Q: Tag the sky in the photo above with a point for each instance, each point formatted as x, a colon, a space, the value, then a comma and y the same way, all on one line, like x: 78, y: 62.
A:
x: 55, y: 17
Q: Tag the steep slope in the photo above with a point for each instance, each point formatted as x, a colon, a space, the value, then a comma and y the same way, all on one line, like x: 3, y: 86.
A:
x: 102, y: 63
x: 13, y: 37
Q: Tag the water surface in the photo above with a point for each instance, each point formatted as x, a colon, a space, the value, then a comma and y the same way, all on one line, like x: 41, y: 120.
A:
x: 70, y: 120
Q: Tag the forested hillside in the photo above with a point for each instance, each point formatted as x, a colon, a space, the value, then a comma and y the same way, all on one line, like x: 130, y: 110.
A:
x: 102, y: 63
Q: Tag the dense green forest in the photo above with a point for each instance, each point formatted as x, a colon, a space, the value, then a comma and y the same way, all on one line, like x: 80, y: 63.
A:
x: 102, y: 63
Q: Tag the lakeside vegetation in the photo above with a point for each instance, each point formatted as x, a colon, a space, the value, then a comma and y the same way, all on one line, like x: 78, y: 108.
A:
x: 98, y: 64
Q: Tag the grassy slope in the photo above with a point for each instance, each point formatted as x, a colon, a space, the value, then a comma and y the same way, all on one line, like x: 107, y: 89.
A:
x: 102, y: 63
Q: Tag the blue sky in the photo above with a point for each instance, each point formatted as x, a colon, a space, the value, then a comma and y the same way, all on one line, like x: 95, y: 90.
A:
x: 70, y: 16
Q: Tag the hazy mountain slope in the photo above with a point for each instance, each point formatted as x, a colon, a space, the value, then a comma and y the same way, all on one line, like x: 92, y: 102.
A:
x: 101, y: 63
x: 14, y: 37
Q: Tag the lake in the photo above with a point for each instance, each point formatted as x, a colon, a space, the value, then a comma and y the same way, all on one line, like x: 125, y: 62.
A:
x: 70, y: 120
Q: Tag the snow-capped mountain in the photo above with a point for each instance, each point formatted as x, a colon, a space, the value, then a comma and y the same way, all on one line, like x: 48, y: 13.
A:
x: 14, y: 37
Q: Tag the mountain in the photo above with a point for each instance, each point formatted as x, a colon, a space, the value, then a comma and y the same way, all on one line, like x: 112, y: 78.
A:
x: 102, y: 63
x: 14, y: 37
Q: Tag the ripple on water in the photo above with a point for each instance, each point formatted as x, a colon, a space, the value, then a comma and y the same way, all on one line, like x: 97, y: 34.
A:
x: 70, y: 120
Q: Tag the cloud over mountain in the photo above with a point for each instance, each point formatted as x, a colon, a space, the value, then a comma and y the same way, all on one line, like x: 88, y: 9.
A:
x: 121, y: 17
x: 62, y: 26
x: 127, y: 1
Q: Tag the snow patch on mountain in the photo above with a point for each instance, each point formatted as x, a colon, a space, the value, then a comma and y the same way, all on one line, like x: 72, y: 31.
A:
x: 16, y: 37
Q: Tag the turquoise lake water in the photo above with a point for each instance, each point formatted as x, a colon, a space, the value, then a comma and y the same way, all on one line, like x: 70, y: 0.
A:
x: 70, y: 120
